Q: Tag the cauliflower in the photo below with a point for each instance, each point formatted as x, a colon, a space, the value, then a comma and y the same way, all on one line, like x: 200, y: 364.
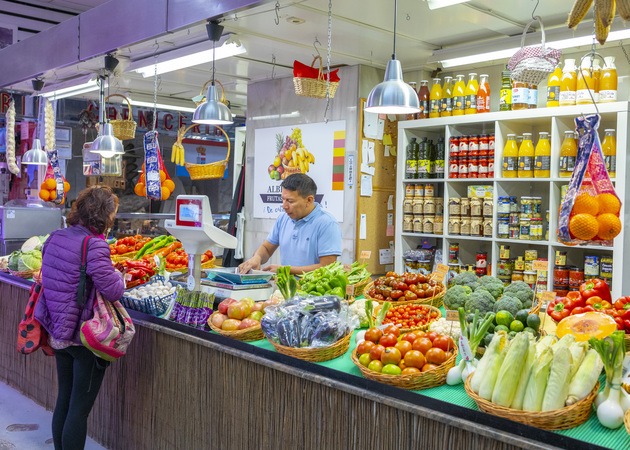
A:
x: 492, y: 285
x: 357, y: 309
x: 446, y: 328
x: 482, y: 300
x: 522, y: 291
x: 467, y: 278
x: 456, y: 296
x: 508, y: 303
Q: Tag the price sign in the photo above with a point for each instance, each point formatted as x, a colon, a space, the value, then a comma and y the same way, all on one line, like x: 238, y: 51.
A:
x: 365, y: 254
x: 452, y: 316
x: 540, y: 265
x: 548, y: 296
x: 442, y: 268
x: 438, y: 276
x: 350, y: 290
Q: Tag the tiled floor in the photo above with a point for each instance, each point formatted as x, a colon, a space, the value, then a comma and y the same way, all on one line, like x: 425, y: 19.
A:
x: 24, y: 425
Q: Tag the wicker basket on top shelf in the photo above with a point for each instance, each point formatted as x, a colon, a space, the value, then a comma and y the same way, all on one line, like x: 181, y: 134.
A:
x: 315, y: 87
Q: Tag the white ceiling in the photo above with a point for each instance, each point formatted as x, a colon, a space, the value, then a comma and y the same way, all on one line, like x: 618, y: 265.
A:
x: 361, y: 34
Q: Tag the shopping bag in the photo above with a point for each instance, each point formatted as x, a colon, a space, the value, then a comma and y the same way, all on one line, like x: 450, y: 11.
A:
x: 31, y: 334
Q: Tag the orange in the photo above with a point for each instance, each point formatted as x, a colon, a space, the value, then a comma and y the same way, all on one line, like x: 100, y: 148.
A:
x: 52, y: 195
x: 162, y: 176
x: 169, y: 185
x: 43, y: 194
x: 141, y: 180
x: 66, y: 186
x: 608, y: 203
x: 585, y: 203
x: 165, y: 193
x: 584, y: 226
x: 50, y: 184
x: 609, y: 226
x: 140, y: 190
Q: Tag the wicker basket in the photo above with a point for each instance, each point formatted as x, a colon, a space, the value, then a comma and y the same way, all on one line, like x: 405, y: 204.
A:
x: 123, y: 129
x: 481, y: 350
x: 359, y: 288
x: 26, y: 274
x: 203, y: 93
x: 535, y: 309
x: 314, y: 87
x: 290, y: 170
x: 206, y: 171
x: 435, y: 301
x: 626, y: 420
x: 316, y: 354
x: 207, y: 265
x: 415, y: 382
x: 422, y: 328
x: 560, y: 419
x: 248, y: 334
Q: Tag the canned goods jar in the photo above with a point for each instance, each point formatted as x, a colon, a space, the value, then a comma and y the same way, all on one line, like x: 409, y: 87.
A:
x: 419, y: 190
x: 473, y: 165
x: 476, y: 226
x: 514, y: 208
x: 463, y: 146
x: 473, y: 143
x: 529, y: 277
x: 408, y: 223
x: 561, y: 291
x: 408, y: 205
x: 487, y: 207
x: 417, y: 223
x: 519, y: 264
x: 515, y: 231
x: 506, y: 279
x: 453, y: 253
x: 454, y: 225
x: 409, y: 190
x: 561, y: 276
x: 504, y: 252
x: 453, y: 269
x: 454, y: 147
x: 464, y: 226
x: 428, y: 190
x: 438, y: 224
x: 529, y: 266
x: 517, y: 275
x: 504, y: 267
x: 476, y: 207
x: 503, y: 205
x: 591, y: 267
x: 424, y: 267
x: 536, y: 206
x: 429, y: 206
x: 487, y: 227
x: 515, y: 218
x: 606, y: 269
x: 536, y: 229
x: 561, y: 258
x: 454, y: 207
x: 418, y: 205
x: 427, y: 226
x: 439, y: 205
x: 531, y: 255
x: 524, y: 225
x: 503, y: 229
x: 481, y: 266
x: 527, y: 206
x: 410, y: 265
x: 576, y: 276
x: 483, y: 166
x: 462, y: 166
x: 464, y: 203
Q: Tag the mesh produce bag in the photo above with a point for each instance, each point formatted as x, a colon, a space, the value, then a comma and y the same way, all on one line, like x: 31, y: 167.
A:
x: 155, y: 182
x: 54, y: 187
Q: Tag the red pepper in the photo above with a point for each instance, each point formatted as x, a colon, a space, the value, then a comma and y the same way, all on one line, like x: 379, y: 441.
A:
x: 589, y: 308
x: 619, y: 323
x: 622, y: 304
x: 626, y: 325
x: 576, y: 298
x: 137, y: 274
x: 578, y: 310
x: 595, y: 287
x: 625, y: 315
x: 134, y: 283
x: 557, y: 311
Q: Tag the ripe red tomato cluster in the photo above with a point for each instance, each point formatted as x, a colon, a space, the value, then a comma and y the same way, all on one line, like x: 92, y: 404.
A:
x: 410, y: 316
x: 405, y: 287
x: 411, y: 353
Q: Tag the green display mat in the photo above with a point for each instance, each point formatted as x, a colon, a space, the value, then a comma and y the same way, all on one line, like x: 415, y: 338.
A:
x: 591, y: 431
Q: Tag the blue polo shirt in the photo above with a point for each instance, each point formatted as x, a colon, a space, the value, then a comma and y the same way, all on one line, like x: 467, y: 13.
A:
x: 303, y: 242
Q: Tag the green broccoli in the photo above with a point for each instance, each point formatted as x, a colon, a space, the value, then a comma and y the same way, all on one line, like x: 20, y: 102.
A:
x: 520, y: 290
x: 466, y: 278
x: 508, y: 303
x: 492, y: 284
x: 456, y: 297
x: 482, y: 300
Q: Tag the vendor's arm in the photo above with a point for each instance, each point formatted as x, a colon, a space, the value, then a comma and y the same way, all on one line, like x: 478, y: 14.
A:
x: 261, y: 256
x: 299, y: 270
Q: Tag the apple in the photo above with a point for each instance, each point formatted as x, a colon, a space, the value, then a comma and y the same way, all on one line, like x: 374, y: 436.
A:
x: 238, y: 310
x: 257, y: 306
x: 256, y: 315
x: 248, y: 301
x: 218, y: 319
x: 223, y: 306
x: 280, y: 170
x: 248, y: 323
x: 231, y: 325
x: 271, y: 168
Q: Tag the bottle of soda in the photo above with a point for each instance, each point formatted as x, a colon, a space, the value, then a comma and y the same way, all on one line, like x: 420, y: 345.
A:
x: 411, y: 169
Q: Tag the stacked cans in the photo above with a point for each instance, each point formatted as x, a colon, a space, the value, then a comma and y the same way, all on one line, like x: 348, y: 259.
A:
x: 471, y: 156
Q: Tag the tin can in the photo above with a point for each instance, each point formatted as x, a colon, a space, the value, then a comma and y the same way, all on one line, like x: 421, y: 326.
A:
x: 487, y: 227
x: 428, y: 190
x: 476, y: 207
x: 503, y: 205
x: 418, y: 190
x: 438, y: 224
x: 463, y: 146
x: 487, y: 207
x: 429, y: 206
x: 503, y: 228
x: 464, y: 226
x: 591, y: 267
x: 531, y: 255
x: 417, y: 223
x: 561, y: 258
x: 453, y: 252
x: 408, y: 205
x: 481, y: 266
x: 418, y: 205
x: 576, y: 276
x: 427, y: 226
x: 439, y: 205
x: 515, y: 231
x: 476, y: 226
x: 454, y: 206
x: 454, y: 225
x: 464, y: 206
x: 606, y: 269
x: 561, y: 276
x: 463, y: 167
x: 408, y: 223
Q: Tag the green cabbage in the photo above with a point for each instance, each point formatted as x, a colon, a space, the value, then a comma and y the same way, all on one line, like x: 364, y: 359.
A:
x: 14, y: 259
x: 30, y: 261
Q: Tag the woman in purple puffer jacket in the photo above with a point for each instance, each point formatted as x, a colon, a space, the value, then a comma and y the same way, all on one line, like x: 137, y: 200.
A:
x: 79, y: 371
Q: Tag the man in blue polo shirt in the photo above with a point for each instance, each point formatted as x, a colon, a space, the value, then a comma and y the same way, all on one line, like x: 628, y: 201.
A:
x: 308, y: 236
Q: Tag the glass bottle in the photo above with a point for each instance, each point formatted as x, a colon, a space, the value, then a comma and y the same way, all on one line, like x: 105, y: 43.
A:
x: 505, y: 99
x: 459, y: 100
x: 435, y: 98
x: 520, y: 95
x: 542, y: 156
x: 609, y: 149
x: 483, y: 95
x: 553, y: 88
x: 568, y: 83
x: 423, y: 159
x: 510, y: 156
x: 440, y: 158
x: 568, y: 154
x: 411, y: 170
x: 446, y: 109
x: 526, y: 157
x: 471, y: 94
x: 532, y: 96
x: 585, y: 84
x: 608, y: 81
x: 423, y: 96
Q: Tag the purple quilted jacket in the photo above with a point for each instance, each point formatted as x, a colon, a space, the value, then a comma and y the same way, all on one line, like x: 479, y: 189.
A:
x: 57, y: 308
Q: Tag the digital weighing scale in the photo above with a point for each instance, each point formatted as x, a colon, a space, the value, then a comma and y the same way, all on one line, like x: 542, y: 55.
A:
x: 194, y: 228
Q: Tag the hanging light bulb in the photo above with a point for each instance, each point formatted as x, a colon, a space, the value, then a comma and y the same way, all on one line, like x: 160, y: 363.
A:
x: 393, y: 95
x: 35, y: 156
x: 212, y: 111
x: 106, y: 144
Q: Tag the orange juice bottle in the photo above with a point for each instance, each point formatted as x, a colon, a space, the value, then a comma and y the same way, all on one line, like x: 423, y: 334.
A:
x: 435, y: 98
x: 483, y: 95
x: 597, y: 75
x: 609, y: 149
x: 446, y: 109
x: 568, y: 154
x: 471, y: 94
x: 526, y: 157
x: 459, y: 100
x: 553, y: 88
x: 542, y: 156
x: 510, y: 157
x: 585, y: 84
x: 608, y: 81
x: 568, y: 83
x: 423, y: 95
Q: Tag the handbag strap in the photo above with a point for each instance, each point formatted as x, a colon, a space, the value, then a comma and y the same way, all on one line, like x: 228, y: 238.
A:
x: 83, y: 272
x: 542, y: 29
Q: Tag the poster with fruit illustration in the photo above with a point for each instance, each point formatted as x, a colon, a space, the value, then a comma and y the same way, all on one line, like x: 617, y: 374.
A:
x: 317, y: 150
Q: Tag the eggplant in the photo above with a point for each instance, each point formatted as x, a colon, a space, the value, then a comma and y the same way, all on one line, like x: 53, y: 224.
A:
x: 268, y: 326
x: 325, y: 332
x: 309, y: 326
x: 314, y: 305
x: 289, y: 332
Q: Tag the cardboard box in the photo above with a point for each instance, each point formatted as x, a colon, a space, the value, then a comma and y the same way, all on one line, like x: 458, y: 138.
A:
x: 480, y: 191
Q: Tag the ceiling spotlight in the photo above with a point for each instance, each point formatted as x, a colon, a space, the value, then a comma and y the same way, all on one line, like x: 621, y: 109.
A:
x: 110, y: 62
x: 38, y: 84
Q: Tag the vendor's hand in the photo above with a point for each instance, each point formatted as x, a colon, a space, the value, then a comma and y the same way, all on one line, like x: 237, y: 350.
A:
x: 272, y: 268
x: 248, y: 265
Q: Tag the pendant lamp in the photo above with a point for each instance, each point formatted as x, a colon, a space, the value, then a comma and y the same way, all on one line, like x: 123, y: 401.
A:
x: 106, y: 144
x: 212, y: 111
x: 35, y: 156
x: 393, y: 95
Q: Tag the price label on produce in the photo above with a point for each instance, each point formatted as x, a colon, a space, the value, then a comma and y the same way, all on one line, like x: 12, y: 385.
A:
x: 540, y: 265
x: 350, y: 290
x: 365, y: 254
x: 452, y: 316
x: 438, y: 276
x: 548, y: 296
x: 442, y: 268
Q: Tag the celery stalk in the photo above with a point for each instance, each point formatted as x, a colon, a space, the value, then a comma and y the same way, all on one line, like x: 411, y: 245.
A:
x: 585, y: 378
x: 496, y: 346
x: 535, y: 390
x: 519, y: 396
x: 558, y: 383
x: 507, y: 380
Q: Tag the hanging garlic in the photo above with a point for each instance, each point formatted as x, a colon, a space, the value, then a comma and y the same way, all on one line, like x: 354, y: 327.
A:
x: 49, y: 122
x: 11, y: 161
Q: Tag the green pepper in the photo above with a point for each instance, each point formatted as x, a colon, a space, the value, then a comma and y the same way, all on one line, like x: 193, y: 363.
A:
x: 151, y: 245
x: 338, y: 292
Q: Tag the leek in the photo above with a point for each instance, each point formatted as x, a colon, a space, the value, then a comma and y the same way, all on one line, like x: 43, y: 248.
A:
x: 535, y: 390
x: 558, y: 382
x: 585, y: 378
x: 611, y: 350
x: 492, y: 372
x: 496, y: 346
x: 510, y: 372
x: 530, y: 359
x: 578, y: 351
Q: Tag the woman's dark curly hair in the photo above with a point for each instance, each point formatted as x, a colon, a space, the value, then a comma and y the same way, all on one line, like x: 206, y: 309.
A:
x: 93, y: 209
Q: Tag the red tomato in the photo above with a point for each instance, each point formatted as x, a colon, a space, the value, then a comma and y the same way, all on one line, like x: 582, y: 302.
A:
x: 373, y: 334
x: 448, y: 355
x: 409, y: 295
x: 391, y: 355
x: 396, y: 294
x: 422, y: 345
x: 431, y: 335
x: 392, y: 330
x: 410, y: 371
x: 403, y: 347
x: 414, y: 358
x: 444, y: 342
x: 365, y: 347
x: 428, y: 367
x: 435, y: 356
x: 388, y: 340
x: 402, y: 364
x: 376, y: 352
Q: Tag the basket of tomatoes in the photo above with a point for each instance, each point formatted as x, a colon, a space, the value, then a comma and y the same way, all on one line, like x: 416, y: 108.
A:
x: 126, y: 248
x: 406, y: 288
x: 411, y: 316
x: 415, y: 360
x: 177, y: 261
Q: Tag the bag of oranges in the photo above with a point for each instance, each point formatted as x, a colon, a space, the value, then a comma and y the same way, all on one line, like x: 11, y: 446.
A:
x: 590, y: 209
x: 54, y: 187
x: 154, y: 182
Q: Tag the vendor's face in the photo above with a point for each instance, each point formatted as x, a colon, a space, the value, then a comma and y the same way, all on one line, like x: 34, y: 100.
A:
x: 296, y: 206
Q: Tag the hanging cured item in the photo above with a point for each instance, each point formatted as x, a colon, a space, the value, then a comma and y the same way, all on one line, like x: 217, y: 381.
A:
x: 11, y: 161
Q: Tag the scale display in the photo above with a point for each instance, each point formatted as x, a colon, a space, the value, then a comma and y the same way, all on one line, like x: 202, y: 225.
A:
x: 189, y: 212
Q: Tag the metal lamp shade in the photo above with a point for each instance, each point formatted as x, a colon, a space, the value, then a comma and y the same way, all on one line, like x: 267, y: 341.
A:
x: 106, y: 144
x: 393, y: 95
x: 212, y: 111
x: 35, y: 156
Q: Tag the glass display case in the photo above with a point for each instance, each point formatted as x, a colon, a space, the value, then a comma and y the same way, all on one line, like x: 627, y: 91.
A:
x: 148, y: 224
